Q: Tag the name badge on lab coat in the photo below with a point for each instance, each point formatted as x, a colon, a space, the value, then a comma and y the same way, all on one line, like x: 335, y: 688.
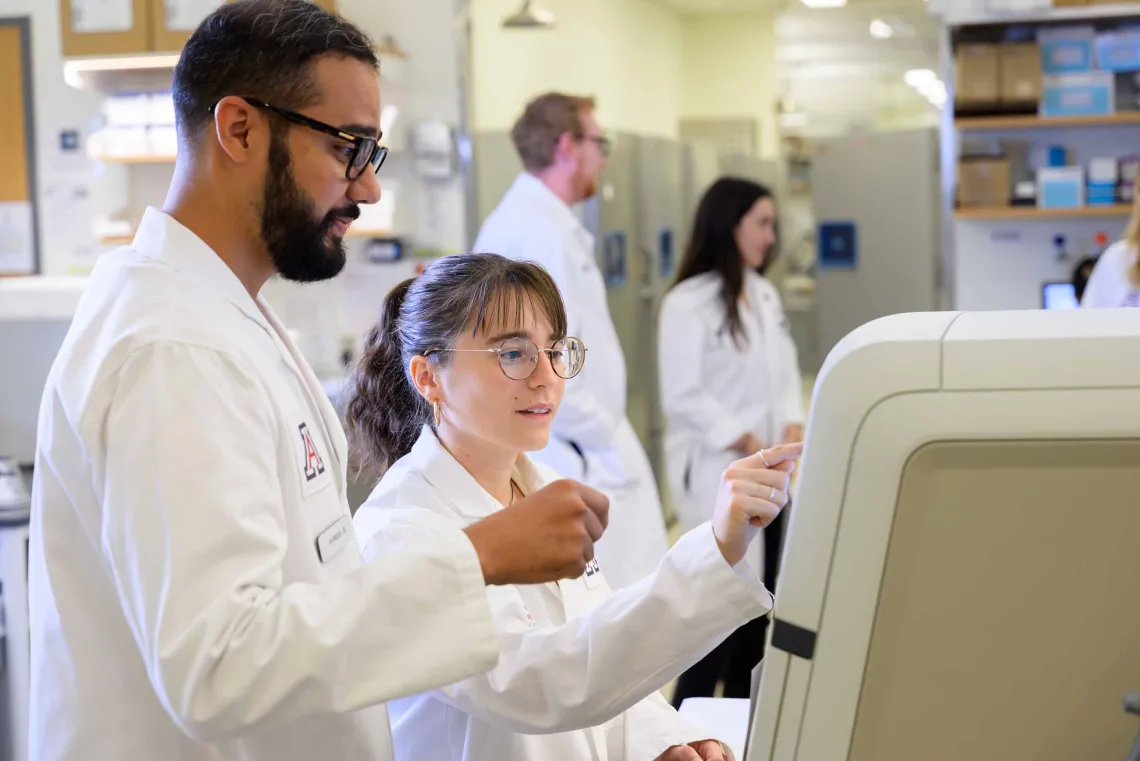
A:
x: 593, y: 575
x: 334, y: 539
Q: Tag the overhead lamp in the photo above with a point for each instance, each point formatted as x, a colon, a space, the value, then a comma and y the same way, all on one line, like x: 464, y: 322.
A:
x: 917, y: 77
x: 824, y: 3
x: 793, y: 119
x: 881, y: 30
x: 530, y: 16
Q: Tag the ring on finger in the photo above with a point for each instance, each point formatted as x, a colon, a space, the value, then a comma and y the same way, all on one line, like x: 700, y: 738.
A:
x: 765, y: 459
x: 772, y: 494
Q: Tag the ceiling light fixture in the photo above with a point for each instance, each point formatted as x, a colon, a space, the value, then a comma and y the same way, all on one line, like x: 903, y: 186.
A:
x: 824, y: 3
x: 916, y: 77
x: 881, y: 30
x: 530, y: 16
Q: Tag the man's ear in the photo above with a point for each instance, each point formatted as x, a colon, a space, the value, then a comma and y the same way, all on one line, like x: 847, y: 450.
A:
x: 565, y: 146
x: 239, y: 128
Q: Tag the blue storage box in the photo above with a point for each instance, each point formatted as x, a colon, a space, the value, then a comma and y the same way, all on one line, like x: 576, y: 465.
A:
x: 1119, y: 50
x: 1100, y: 194
x: 1061, y: 188
x: 1089, y: 94
x: 1067, y: 50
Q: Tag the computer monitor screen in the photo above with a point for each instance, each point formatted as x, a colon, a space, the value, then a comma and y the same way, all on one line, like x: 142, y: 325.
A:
x: 1059, y: 296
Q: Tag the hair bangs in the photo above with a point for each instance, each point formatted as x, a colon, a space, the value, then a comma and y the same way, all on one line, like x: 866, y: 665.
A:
x: 503, y: 303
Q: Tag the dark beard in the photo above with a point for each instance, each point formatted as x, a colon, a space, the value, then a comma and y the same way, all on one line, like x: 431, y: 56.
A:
x: 299, y: 246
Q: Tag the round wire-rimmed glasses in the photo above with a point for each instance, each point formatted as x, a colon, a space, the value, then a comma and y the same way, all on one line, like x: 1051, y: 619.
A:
x: 518, y: 357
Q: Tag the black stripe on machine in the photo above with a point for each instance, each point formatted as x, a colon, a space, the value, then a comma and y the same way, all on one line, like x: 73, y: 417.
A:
x: 793, y: 639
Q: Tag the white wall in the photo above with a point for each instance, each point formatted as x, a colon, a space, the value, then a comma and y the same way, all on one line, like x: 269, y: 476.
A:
x: 730, y: 71
x: 627, y: 53
x: 64, y: 238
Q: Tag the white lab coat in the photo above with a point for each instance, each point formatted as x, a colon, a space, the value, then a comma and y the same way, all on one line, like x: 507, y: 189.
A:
x: 713, y: 391
x: 197, y: 592
x: 1109, y: 285
x: 580, y: 666
x: 532, y: 223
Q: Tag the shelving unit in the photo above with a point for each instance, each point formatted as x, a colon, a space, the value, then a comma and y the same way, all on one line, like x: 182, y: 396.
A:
x: 134, y: 159
x: 1032, y: 212
x: 1075, y: 13
x: 999, y: 258
x: 996, y: 123
x: 123, y: 240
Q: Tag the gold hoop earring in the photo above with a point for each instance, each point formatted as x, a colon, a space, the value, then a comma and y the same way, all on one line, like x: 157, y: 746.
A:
x: 436, y: 413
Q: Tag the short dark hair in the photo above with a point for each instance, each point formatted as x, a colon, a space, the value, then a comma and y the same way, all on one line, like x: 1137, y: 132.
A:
x: 263, y: 49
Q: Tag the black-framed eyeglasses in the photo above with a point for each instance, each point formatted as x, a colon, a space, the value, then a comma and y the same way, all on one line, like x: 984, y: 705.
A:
x: 518, y: 357
x: 605, y: 145
x: 365, y: 150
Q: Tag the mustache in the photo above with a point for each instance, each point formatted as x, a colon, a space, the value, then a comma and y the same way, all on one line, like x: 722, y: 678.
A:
x: 345, y: 212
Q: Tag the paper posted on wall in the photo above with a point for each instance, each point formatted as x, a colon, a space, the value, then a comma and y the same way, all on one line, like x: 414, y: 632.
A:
x: 17, y: 239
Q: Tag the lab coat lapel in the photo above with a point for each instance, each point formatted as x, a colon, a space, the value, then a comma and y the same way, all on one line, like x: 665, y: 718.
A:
x: 462, y: 492
x: 330, y: 420
x: 458, y: 488
x: 162, y: 237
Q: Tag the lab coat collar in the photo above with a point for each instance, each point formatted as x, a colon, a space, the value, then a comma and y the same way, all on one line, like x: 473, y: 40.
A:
x: 161, y: 237
x: 530, y: 187
x: 458, y: 487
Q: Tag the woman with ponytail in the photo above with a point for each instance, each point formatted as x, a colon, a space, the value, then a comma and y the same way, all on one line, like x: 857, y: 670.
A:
x: 460, y: 379
x: 1115, y: 281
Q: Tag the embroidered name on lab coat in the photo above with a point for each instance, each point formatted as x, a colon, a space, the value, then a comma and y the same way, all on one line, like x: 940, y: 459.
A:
x: 313, y: 465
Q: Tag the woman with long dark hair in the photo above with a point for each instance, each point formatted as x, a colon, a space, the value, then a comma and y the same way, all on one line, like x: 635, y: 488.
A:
x: 460, y: 380
x: 730, y: 385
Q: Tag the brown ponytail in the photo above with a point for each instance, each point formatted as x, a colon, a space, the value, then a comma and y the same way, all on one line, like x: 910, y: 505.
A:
x: 384, y: 414
x: 423, y: 316
x: 1133, y: 235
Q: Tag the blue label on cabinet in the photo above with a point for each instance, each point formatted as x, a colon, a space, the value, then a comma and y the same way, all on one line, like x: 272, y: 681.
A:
x: 838, y: 245
x: 614, y: 259
x: 665, y: 248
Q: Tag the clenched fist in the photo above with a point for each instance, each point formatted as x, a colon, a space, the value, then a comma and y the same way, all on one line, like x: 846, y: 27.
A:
x: 752, y: 493
x: 545, y: 537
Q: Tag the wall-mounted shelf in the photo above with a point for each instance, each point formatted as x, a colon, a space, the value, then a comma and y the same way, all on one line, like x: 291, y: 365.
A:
x: 991, y: 123
x: 141, y: 158
x: 1045, y: 15
x: 144, y: 71
x: 1001, y: 213
x: 148, y: 72
x: 123, y: 240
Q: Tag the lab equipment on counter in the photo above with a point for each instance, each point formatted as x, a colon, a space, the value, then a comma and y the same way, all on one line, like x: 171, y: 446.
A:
x: 968, y: 479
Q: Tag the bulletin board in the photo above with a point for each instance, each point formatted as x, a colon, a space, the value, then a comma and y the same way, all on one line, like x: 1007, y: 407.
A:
x: 19, y: 245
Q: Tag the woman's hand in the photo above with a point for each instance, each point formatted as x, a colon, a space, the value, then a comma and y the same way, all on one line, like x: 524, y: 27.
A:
x: 748, y: 444
x: 793, y: 434
x: 704, y: 750
x: 752, y: 492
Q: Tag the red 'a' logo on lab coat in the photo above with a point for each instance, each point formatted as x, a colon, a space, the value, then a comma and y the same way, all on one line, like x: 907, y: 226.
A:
x: 314, y: 466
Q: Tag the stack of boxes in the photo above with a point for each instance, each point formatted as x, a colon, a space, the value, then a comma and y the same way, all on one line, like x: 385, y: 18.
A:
x: 997, y: 78
x: 1069, y: 71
